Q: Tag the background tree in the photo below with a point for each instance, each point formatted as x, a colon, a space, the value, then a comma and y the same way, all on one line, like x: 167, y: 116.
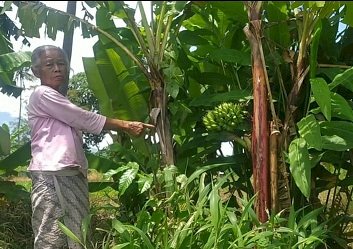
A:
x: 10, y: 61
x: 79, y: 94
x: 20, y: 133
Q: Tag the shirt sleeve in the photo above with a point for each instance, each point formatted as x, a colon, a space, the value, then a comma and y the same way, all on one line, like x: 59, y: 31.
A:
x: 59, y: 107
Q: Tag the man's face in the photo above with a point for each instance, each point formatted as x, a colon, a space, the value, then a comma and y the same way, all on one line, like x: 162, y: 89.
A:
x: 53, y: 69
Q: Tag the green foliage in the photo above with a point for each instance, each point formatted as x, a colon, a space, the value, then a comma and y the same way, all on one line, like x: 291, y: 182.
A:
x: 79, y: 94
x: 300, y: 165
x: 133, y: 186
x: 19, y: 157
x: 20, y: 134
x: 70, y: 234
x: 201, y: 217
x: 10, y: 163
x: 328, y: 135
x: 9, y: 64
x: 10, y: 61
x: 196, y: 53
x: 4, y: 140
x: 322, y: 95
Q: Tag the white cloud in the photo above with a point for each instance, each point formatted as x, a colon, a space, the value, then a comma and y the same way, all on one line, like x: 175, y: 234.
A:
x: 9, y: 105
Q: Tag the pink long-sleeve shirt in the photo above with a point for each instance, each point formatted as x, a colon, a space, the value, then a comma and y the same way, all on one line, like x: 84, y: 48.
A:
x: 56, y: 125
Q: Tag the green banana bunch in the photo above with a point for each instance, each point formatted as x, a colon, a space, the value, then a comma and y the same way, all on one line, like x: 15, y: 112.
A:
x: 225, y: 117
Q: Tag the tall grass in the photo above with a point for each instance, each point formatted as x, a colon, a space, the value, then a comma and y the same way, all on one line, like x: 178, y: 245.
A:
x: 196, y: 215
x: 15, y: 224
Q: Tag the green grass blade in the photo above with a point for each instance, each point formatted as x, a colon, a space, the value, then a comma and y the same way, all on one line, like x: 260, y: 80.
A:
x: 70, y: 234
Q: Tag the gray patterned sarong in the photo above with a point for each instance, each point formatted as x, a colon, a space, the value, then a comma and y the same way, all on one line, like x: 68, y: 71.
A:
x: 57, y: 196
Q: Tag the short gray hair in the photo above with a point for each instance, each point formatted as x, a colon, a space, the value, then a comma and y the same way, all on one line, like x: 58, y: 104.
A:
x: 35, y: 59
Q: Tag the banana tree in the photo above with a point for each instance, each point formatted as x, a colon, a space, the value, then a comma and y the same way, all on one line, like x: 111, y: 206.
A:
x: 303, y: 63
x: 146, y: 48
x: 10, y: 61
x: 68, y: 39
x: 144, y: 45
x: 283, y: 47
x: 260, y: 131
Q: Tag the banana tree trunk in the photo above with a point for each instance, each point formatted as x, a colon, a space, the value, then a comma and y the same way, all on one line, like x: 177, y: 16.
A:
x: 160, y: 118
x: 260, y: 129
x: 68, y: 39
